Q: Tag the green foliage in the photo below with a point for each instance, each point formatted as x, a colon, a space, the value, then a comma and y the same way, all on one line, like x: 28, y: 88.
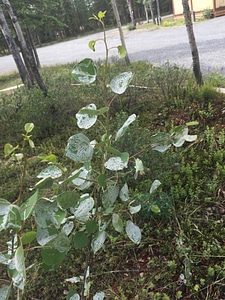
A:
x: 207, y: 13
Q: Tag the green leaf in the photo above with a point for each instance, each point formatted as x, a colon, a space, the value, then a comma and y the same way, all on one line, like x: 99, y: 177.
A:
x: 112, y: 150
x: 28, y: 237
x: 93, y: 112
x: 91, y: 226
x: 117, y: 223
x: 133, y: 232
x: 115, y: 164
x: 79, y: 148
x: 82, y: 211
x: 29, y: 127
x: 99, y: 296
x: 68, y: 227
x: 31, y: 143
x: 139, y: 168
x: 124, y: 193
x: 161, y: 141
x: 68, y: 199
x: 27, y: 207
x: 9, y: 216
x: 45, y: 183
x: 120, y: 83
x: 98, y: 241
x: 48, y: 214
x: 45, y: 235
x: 91, y: 45
x: 101, y: 14
x: 123, y: 129
x: 134, y: 209
x: 51, y: 171
x: 9, y: 149
x: 80, y: 239
x: 179, y: 136
x: 109, y: 196
x: 20, y: 267
x: 5, y: 292
x: 156, y: 183
x: 155, y: 209
x: 121, y: 51
x: 54, y: 252
x: 102, y: 179
x: 85, y: 71
x: 88, y: 118
x: 84, y: 180
x: 48, y: 158
x: 193, y: 123
x: 72, y: 295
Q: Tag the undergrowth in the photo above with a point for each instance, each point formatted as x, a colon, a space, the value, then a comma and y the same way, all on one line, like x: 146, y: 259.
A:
x: 182, y: 253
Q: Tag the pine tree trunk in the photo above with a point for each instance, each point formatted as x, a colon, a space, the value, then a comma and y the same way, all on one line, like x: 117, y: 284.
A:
x: 158, y: 13
x: 152, y: 11
x: 131, y: 11
x: 192, y: 42
x: 27, y: 55
x: 32, y: 47
x: 14, y: 49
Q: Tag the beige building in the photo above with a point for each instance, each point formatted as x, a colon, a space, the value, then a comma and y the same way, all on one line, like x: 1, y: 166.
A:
x: 198, y: 6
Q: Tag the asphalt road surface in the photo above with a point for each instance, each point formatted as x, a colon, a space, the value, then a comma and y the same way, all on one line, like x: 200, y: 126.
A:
x: 156, y: 46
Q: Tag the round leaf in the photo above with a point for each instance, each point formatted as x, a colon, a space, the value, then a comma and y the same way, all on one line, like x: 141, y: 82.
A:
x: 51, y: 171
x: 79, y: 148
x: 133, y: 232
x: 117, y: 223
x: 121, y: 51
x: 109, y: 196
x: 98, y: 241
x: 85, y: 120
x: 80, y: 240
x: 85, y: 71
x: 120, y: 83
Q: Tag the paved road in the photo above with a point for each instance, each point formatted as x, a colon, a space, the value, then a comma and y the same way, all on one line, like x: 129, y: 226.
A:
x: 156, y: 46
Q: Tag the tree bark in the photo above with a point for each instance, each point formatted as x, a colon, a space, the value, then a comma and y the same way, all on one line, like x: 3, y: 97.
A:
x: 192, y: 42
x: 117, y: 17
x: 131, y: 11
x: 14, y: 49
x: 158, y: 13
x: 152, y: 11
x: 27, y: 55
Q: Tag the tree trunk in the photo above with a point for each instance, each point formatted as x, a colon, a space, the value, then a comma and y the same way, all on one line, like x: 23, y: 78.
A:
x: 14, y: 49
x: 152, y: 11
x: 192, y: 42
x: 158, y: 13
x: 32, y: 47
x: 131, y: 11
x: 118, y: 22
x: 27, y: 55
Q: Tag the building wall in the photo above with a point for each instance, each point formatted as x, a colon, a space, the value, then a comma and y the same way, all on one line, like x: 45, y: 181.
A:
x: 198, y: 5
x: 220, y: 3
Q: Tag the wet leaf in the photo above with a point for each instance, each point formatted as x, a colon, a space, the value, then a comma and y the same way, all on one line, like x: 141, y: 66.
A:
x: 86, y: 120
x: 85, y: 71
x: 79, y: 148
x: 120, y: 83
x: 133, y: 232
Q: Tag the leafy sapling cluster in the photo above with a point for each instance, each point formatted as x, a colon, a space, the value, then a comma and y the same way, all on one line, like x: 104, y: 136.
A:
x: 80, y: 209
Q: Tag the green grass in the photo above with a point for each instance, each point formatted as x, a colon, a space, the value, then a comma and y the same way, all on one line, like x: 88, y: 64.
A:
x: 9, y: 80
